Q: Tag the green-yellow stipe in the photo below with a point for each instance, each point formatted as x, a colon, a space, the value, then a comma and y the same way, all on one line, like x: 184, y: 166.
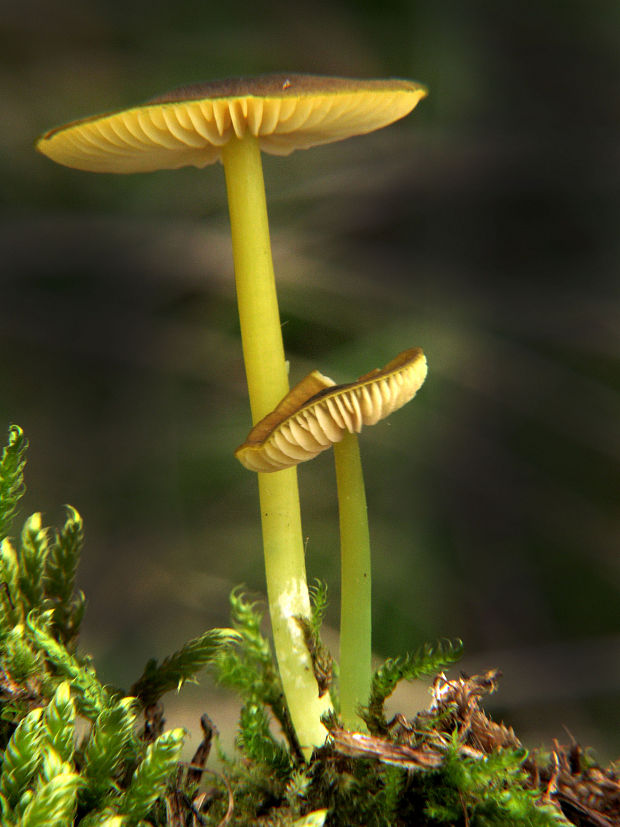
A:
x: 267, y: 383
x: 355, y: 600
x: 313, y: 416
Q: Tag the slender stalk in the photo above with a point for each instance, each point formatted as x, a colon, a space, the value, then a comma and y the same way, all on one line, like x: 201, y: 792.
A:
x: 355, y: 601
x: 267, y: 378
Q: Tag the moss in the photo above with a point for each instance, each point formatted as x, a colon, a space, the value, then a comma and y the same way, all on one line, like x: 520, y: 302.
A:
x: 450, y: 765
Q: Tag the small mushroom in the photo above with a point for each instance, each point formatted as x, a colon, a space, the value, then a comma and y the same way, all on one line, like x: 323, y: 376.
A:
x: 191, y: 124
x: 232, y: 121
x: 313, y: 416
x: 317, y: 413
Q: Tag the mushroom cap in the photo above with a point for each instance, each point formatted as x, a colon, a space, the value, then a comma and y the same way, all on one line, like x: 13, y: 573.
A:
x: 316, y: 413
x: 189, y: 125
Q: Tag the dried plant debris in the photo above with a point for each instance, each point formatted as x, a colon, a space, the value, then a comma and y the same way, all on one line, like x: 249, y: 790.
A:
x: 360, y: 745
x: 190, y: 801
x: 587, y: 794
x: 565, y: 779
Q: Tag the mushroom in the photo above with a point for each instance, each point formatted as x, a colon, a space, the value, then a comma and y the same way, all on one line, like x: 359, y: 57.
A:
x: 231, y: 121
x: 312, y: 417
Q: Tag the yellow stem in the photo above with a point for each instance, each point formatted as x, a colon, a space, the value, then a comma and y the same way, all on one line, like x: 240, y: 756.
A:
x: 267, y: 379
x: 355, y: 600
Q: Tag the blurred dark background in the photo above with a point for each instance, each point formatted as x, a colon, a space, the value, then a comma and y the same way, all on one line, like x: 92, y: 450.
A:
x: 483, y: 228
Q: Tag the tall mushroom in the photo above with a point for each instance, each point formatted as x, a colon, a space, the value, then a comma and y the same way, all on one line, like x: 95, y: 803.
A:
x: 232, y: 121
x: 312, y: 417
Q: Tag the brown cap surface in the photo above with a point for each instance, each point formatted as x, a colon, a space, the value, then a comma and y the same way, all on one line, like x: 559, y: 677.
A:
x: 189, y: 125
x: 316, y: 413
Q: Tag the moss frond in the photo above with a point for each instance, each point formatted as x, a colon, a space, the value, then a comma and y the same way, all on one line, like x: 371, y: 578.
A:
x: 59, y: 721
x: 106, y: 751
x: 53, y: 802
x: 315, y: 819
x: 181, y: 666
x: 490, y: 790
x: 318, y: 605
x: 92, y: 698
x: 33, y: 551
x: 12, y: 487
x: 427, y: 660
x: 322, y: 661
x: 248, y: 666
x: 22, y: 757
x: 103, y: 818
x: 151, y: 777
x: 11, y: 602
x: 61, y: 566
x: 258, y: 743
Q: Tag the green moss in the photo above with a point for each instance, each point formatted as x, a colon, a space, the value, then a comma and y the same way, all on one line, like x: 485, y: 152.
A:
x: 450, y: 765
